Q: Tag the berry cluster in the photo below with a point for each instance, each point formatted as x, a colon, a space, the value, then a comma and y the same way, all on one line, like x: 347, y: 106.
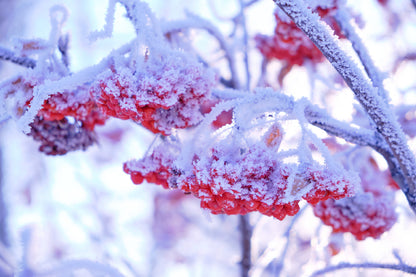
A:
x: 66, y: 121
x: 58, y: 137
x: 364, y: 215
x: 237, y: 184
x: 234, y: 178
x: 367, y: 214
x: 78, y: 105
x: 290, y: 44
x: 155, y: 168
x: 326, y: 185
x: 242, y: 180
x: 167, y: 93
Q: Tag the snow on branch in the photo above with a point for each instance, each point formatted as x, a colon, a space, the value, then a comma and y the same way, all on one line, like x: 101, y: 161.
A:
x: 344, y: 21
x: 107, y: 30
x: 376, y: 107
x: 8, y: 55
x: 50, y: 87
x: 397, y: 267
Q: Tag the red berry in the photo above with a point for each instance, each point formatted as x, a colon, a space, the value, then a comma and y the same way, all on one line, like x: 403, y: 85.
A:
x: 155, y: 168
x: 363, y: 215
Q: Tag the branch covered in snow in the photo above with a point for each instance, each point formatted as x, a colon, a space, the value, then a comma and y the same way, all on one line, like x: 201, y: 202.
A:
x: 8, y: 55
x: 344, y: 21
x: 365, y: 92
x: 397, y: 267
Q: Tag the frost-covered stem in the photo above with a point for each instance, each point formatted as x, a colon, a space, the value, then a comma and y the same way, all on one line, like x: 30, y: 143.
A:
x: 344, y: 21
x: 63, y: 44
x: 196, y: 22
x: 366, y: 94
x: 245, y: 48
x: 362, y: 137
x: 359, y: 136
x: 398, y: 267
x: 246, y: 232
x: 8, y: 55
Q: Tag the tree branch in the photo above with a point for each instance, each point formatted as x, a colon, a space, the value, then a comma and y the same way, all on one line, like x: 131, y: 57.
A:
x: 8, y: 55
x: 364, y: 91
x: 344, y: 21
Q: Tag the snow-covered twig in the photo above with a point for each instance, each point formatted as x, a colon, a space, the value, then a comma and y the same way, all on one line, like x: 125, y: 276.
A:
x: 196, y: 22
x: 344, y: 21
x: 8, y: 55
x: 398, y: 267
x: 107, y: 30
x: 367, y: 95
x: 242, y: 18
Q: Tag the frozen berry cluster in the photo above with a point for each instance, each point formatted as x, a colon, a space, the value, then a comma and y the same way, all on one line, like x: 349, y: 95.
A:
x: 290, y: 44
x: 167, y: 93
x: 367, y: 214
x: 364, y: 215
x: 155, y: 168
x: 58, y: 137
x: 77, y: 104
x: 238, y: 183
x: 242, y: 180
x: 66, y: 120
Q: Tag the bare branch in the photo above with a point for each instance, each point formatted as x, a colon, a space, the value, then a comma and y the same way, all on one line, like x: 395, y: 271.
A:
x: 63, y: 45
x: 246, y: 232
x: 8, y: 55
x: 367, y: 95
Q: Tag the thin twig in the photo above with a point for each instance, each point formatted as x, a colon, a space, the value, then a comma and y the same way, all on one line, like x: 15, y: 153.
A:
x: 242, y: 18
x: 63, y: 45
x: 246, y: 232
x: 8, y: 55
x: 195, y: 22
